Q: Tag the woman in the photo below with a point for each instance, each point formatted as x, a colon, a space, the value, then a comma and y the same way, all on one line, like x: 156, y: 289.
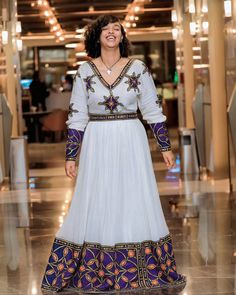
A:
x: 115, y: 236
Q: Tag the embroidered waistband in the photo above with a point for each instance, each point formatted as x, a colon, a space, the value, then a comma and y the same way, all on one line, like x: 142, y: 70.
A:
x: 98, y: 117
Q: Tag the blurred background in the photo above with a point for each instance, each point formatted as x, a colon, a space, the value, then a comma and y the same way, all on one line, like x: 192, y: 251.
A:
x: 190, y: 49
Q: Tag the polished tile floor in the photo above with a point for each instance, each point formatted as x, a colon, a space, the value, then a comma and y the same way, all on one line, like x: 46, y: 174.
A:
x: 201, y: 216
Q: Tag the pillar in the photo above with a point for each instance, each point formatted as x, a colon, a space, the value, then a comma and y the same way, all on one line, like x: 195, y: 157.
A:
x: 188, y: 71
x: 217, y: 87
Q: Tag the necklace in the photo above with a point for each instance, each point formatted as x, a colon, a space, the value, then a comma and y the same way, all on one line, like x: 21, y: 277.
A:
x: 109, y: 69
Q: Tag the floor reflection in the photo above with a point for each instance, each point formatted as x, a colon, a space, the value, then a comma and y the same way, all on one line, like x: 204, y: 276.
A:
x: 201, y: 216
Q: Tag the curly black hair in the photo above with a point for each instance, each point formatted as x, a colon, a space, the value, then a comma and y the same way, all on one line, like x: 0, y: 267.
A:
x: 92, y: 36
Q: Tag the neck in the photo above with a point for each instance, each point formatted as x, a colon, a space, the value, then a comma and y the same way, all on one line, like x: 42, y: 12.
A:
x: 110, y: 56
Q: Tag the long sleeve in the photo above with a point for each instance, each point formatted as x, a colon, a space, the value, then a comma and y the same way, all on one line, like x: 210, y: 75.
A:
x: 77, y: 117
x: 151, y: 109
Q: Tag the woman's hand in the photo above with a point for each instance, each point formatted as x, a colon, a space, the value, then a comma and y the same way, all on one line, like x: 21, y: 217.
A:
x: 70, y: 169
x: 169, y: 159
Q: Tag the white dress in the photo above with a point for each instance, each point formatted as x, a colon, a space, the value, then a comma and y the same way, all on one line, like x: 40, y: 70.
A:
x: 114, y: 236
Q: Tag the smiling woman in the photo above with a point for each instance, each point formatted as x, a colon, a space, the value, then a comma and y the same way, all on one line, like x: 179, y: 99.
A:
x: 114, y: 236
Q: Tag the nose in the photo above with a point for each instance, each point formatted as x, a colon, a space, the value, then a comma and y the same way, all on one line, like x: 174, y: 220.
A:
x: 110, y: 30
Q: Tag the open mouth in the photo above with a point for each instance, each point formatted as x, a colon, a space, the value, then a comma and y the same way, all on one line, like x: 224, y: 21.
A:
x: 112, y: 38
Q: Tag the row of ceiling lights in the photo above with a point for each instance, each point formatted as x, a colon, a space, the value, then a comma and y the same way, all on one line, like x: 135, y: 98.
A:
x: 198, y: 25
x: 48, y: 12
x: 16, y: 31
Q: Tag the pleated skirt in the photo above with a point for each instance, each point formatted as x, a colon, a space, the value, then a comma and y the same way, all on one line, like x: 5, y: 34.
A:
x: 114, y: 237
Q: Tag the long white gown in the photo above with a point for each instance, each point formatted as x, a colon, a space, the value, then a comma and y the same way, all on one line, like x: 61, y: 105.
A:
x: 114, y: 236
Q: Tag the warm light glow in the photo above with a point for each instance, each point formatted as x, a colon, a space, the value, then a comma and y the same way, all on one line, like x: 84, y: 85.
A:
x: 137, y: 8
x: 174, y: 15
x: 192, y: 26
x: 128, y: 25
x: 204, y: 6
x: 132, y: 17
x: 78, y: 63
x: 61, y: 38
x: 18, y: 27
x: 58, y: 33
x: 134, y: 25
x: 32, y: 4
x: 47, y: 13
x: 192, y: 8
x: 79, y: 36
x: 196, y: 48
x: 175, y: 33
x: 205, y: 27
x: 52, y: 21
x: 19, y: 44
x: 81, y: 54
x: 228, y: 8
x: 80, y: 31
x: 4, y: 37
x: 55, y: 27
x: 201, y: 66
x: 196, y: 57
x: 71, y: 45
x: 71, y: 72
x: 136, y: 18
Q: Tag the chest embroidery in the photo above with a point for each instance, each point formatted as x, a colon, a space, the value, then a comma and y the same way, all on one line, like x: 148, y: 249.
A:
x: 133, y: 81
x: 71, y: 110
x: 111, y: 103
x: 89, y: 82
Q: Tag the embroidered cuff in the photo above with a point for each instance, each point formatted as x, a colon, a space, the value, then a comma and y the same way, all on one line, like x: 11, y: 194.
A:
x: 161, y: 134
x: 74, y: 140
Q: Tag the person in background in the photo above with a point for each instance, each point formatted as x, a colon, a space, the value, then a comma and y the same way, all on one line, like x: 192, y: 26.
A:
x: 38, y: 91
x: 59, y: 97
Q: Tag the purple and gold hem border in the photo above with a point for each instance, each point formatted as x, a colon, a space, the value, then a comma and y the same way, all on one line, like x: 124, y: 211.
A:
x: 96, y: 268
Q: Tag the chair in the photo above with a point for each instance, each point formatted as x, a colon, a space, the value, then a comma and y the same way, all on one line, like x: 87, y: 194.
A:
x: 54, y: 124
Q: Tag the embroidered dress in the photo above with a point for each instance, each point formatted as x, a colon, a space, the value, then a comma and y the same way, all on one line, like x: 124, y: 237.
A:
x: 114, y: 237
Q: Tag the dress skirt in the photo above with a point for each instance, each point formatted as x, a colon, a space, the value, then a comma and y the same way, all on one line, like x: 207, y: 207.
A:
x: 114, y: 236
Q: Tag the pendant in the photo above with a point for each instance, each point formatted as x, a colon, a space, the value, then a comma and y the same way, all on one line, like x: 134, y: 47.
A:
x: 109, y: 72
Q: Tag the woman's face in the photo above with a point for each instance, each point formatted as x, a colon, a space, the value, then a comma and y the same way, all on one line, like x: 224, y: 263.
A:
x: 111, y: 35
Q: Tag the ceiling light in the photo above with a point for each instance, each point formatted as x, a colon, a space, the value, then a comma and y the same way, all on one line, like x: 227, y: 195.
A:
x: 175, y: 33
x: 137, y: 8
x: 134, y: 25
x: 81, y: 54
x: 71, y: 45
x: 78, y: 63
x: 192, y: 8
x: 4, y: 37
x: 132, y: 17
x: 174, y: 15
x: 228, y: 8
x: 52, y: 21
x: 204, y: 6
x: 80, y: 31
x: 47, y: 13
x: 193, y: 28
x: 205, y: 27
x: 19, y: 44
x: 58, y: 33
x: 71, y: 72
x: 18, y: 27
x: 136, y: 18
x: 128, y: 24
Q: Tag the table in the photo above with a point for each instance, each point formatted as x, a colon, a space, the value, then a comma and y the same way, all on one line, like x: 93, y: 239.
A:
x: 34, y: 127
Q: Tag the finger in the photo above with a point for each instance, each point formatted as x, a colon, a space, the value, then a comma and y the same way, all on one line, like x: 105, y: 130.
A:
x: 73, y: 170
x: 69, y: 172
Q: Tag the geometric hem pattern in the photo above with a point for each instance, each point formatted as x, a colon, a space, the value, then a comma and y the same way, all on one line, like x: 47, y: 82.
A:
x: 96, y: 268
